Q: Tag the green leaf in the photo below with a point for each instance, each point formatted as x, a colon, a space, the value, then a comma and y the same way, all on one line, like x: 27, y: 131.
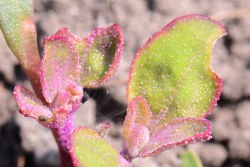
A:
x: 172, y: 70
x: 79, y: 44
x: 190, y: 159
x: 88, y: 149
x: 17, y: 25
x: 102, y: 56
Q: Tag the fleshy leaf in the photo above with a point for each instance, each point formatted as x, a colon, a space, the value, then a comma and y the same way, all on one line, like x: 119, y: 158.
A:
x: 172, y: 70
x: 17, y: 25
x: 139, y: 137
x: 190, y: 159
x: 135, y: 127
x: 59, y: 67
x: 138, y: 112
x: 102, y: 56
x: 177, y: 132
x: 88, y: 149
x: 30, y: 105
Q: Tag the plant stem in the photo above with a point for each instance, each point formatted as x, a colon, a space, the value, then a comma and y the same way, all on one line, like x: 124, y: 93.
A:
x: 65, y: 158
x: 62, y: 136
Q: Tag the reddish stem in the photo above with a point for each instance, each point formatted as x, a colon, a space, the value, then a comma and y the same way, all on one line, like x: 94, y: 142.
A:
x: 62, y: 136
x: 65, y: 157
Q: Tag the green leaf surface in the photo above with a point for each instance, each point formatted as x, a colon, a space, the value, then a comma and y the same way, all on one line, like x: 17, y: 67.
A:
x: 172, y: 70
x: 79, y: 44
x: 88, y: 149
x: 102, y: 56
x: 17, y: 25
x: 190, y: 159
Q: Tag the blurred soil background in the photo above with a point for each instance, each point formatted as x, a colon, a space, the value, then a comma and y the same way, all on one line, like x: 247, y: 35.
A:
x: 24, y: 143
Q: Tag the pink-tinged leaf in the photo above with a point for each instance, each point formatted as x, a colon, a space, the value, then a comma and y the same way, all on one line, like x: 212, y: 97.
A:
x: 89, y: 149
x: 176, y: 132
x: 138, y: 111
x: 172, y: 70
x: 17, y: 25
x: 29, y: 105
x: 102, y: 56
x: 138, y: 138
x: 59, y: 67
x: 135, y: 127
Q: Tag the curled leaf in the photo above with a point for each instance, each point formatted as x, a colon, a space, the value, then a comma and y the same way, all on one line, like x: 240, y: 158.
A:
x: 89, y: 149
x: 135, y: 127
x: 31, y: 106
x: 139, y: 137
x: 102, y: 56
